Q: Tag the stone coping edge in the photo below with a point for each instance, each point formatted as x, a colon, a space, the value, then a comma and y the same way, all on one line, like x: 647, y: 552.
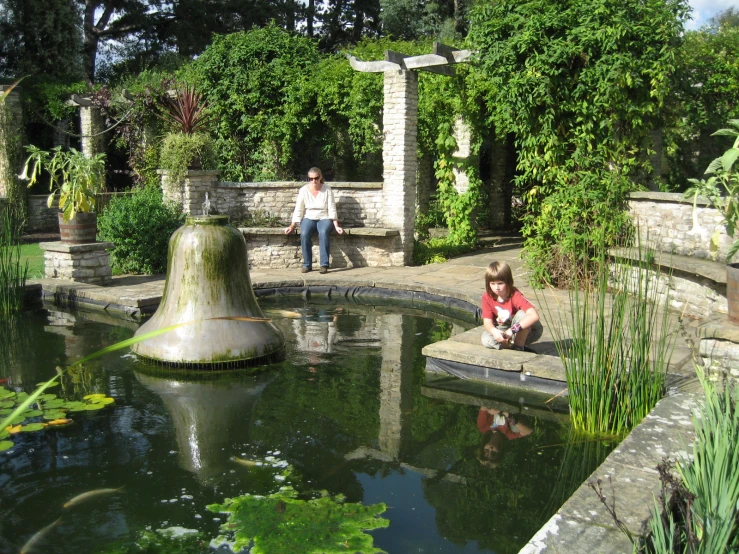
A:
x: 672, y: 197
x: 350, y: 231
x: 719, y: 327
x: 59, y: 246
x: 708, y: 269
x: 628, y: 478
x: 297, y: 184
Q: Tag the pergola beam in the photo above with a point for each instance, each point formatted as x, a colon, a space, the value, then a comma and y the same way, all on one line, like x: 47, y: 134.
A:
x: 437, y: 62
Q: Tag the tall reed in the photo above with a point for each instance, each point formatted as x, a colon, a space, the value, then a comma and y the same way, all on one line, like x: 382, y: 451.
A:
x: 701, y: 514
x: 615, y: 343
x: 13, y: 271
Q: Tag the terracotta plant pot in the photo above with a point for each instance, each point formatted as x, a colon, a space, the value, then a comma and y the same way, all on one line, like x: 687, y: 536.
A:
x: 81, y: 229
x: 732, y: 291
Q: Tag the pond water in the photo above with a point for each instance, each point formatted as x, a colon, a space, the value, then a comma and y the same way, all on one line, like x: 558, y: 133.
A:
x: 351, y: 411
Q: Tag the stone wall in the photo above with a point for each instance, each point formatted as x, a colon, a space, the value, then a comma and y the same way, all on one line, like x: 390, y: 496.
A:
x: 40, y: 217
x: 357, y: 204
x: 274, y: 250
x: 667, y: 220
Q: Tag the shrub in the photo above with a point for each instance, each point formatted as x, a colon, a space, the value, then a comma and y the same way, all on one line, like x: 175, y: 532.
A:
x: 139, y: 225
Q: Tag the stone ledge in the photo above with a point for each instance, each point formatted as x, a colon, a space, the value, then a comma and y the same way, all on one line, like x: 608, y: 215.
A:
x: 349, y: 231
x: 714, y: 271
x: 672, y: 197
x: 298, y: 184
x: 67, y: 248
x: 719, y: 328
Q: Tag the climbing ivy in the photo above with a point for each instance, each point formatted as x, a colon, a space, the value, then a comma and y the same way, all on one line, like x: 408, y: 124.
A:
x: 580, y: 84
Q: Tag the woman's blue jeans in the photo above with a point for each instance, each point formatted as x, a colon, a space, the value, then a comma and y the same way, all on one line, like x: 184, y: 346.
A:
x: 307, y: 228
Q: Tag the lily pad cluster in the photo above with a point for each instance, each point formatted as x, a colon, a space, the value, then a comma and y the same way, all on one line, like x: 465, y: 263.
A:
x: 282, y: 522
x: 48, y: 410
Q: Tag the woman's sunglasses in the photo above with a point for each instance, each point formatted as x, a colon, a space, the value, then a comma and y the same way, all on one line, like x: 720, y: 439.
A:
x: 314, y: 178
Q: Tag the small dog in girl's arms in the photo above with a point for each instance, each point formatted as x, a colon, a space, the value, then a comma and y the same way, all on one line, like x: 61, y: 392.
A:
x: 506, y: 314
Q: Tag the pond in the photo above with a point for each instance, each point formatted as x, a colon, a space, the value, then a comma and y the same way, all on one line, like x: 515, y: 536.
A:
x: 351, y: 411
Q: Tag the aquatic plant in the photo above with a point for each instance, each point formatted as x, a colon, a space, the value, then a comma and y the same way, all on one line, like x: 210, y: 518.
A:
x: 698, y: 509
x: 46, y: 411
x: 13, y: 272
x: 161, y: 541
x: 615, y: 343
x: 282, y: 522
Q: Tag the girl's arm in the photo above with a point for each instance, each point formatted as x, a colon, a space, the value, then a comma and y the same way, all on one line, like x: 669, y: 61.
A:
x: 490, y: 328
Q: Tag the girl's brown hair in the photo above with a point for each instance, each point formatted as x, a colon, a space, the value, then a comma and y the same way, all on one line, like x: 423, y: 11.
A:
x: 498, y: 271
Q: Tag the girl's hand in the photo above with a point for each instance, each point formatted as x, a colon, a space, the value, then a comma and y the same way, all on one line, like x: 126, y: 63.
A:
x: 500, y: 337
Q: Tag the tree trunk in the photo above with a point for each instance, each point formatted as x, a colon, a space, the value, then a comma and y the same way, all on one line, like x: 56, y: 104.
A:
x: 310, y: 15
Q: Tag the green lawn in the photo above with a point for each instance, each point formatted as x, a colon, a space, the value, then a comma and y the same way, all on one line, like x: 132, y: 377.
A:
x: 35, y: 257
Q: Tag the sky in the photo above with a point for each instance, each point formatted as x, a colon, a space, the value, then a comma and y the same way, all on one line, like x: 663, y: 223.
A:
x: 703, y: 10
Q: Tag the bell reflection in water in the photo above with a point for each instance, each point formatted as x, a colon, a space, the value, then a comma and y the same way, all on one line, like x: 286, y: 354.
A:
x: 208, y: 417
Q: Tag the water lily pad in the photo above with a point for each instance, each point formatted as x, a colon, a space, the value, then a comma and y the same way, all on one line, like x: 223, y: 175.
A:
x: 93, y: 396
x: 5, y: 393
x: 7, y: 404
x: 54, y: 414
x: 4, y: 433
x: 32, y: 427
x: 54, y: 384
x: 5, y: 411
x: 21, y: 396
x: 17, y: 419
x: 4, y: 445
x: 105, y: 400
x: 56, y: 403
x: 32, y: 413
x: 94, y: 406
x: 47, y: 397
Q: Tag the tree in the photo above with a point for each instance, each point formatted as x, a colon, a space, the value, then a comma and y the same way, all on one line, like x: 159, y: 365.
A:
x: 580, y: 84
x: 40, y: 37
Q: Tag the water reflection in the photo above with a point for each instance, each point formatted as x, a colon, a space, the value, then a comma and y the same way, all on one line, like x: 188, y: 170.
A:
x: 206, y: 416
x: 351, y: 409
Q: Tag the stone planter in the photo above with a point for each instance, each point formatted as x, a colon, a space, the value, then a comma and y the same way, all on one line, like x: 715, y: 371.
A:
x: 732, y: 291
x: 81, y: 229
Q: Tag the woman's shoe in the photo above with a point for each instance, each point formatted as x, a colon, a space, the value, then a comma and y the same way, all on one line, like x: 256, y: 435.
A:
x: 305, y: 270
x: 323, y: 269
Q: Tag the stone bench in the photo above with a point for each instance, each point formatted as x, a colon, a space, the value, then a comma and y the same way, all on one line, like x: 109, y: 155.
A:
x: 697, y: 286
x: 270, y: 247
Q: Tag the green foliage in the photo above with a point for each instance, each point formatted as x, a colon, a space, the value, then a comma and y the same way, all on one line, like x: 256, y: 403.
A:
x: 140, y: 226
x: 281, y: 522
x: 438, y: 250
x: 253, y: 82
x: 698, y: 512
x: 259, y: 218
x: 458, y: 208
x: 722, y: 187
x: 580, y: 84
x: 161, y: 541
x: 74, y: 176
x: 704, y: 96
x: 615, y: 344
x: 13, y: 269
x: 182, y: 151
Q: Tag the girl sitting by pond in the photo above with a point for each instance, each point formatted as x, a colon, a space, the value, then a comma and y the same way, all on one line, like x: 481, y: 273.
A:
x: 506, y: 314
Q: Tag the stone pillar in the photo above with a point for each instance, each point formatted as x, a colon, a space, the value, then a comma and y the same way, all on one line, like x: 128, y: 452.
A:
x: 463, y: 135
x: 396, y: 383
x: 400, y: 156
x: 91, y: 125
x: 190, y: 193
x: 11, y: 127
x: 84, y: 263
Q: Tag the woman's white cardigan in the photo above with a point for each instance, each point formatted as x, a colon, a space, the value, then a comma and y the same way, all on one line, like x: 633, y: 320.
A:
x: 321, y: 206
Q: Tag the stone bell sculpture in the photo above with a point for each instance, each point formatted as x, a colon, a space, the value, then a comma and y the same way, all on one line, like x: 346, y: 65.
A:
x: 208, y: 290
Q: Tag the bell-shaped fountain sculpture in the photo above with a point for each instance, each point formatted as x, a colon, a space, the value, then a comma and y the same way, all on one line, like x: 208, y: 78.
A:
x: 208, y: 289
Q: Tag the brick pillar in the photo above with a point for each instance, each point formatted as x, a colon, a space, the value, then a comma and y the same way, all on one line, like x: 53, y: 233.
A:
x: 190, y: 193
x: 10, y: 140
x: 463, y: 135
x: 399, y: 155
x: 91, y: 125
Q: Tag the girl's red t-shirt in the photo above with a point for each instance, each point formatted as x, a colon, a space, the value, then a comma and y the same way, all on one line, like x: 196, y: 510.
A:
x: 502, y: 312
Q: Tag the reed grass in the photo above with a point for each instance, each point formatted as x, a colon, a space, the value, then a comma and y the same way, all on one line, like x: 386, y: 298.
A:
x: 13, y: 270
x: 701, y: 514
x: 615, y: 343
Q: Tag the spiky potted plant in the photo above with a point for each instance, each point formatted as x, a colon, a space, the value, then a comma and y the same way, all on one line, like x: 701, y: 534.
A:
x: 187, y: 146
x: 77, y: 179
x: 722, y: 191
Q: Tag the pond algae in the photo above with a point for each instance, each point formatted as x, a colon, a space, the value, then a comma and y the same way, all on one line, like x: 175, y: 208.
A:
x: 281, y: 522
